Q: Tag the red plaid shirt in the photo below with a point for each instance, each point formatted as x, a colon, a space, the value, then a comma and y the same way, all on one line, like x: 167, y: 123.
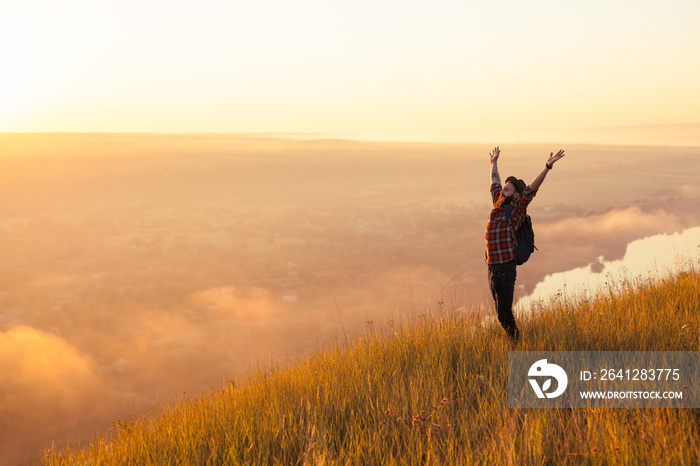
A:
x: 500, y: 242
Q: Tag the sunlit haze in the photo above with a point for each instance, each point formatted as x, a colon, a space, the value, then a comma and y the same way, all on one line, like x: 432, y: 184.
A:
x: 441, y: 70
x: 193, y: 190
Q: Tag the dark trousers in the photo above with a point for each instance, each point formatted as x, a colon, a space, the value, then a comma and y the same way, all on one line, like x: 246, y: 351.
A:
x: 502, y: 284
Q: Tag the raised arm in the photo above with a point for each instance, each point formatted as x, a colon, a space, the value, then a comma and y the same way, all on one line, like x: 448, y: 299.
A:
x: 537, y: 182
x: 495, y: 177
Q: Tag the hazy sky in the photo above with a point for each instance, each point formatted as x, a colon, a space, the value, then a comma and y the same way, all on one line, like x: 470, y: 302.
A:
x: 360, y: 68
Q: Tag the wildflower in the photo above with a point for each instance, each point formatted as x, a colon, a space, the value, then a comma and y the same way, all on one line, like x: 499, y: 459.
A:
x: 437, y: 426
x: 445, y: 401
x: 387, y: 412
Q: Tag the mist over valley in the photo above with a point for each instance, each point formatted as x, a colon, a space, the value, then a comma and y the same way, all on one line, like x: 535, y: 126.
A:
x: 137, y: 267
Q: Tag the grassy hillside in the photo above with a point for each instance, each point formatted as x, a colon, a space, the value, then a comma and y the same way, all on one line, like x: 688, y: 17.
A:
x: 431, y: 390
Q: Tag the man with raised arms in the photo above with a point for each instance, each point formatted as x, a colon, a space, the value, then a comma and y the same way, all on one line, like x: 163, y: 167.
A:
x: 500, y: 236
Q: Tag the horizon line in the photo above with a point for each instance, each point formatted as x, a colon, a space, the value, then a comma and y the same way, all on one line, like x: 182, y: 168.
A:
x: 446, y: 138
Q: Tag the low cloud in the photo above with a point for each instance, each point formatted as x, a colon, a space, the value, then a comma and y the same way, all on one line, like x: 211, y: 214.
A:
x: 588, y: 237
x: 45, y: 382
x: 617, y: 223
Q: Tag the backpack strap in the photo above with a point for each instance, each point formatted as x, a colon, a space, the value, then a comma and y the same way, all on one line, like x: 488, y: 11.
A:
x: 509, y: 217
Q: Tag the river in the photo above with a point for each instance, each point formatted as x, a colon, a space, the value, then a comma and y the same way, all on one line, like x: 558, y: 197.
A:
x: 652, y: 257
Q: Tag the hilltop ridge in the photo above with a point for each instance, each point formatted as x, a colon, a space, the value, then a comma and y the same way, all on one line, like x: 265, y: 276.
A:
x: 431, y: 389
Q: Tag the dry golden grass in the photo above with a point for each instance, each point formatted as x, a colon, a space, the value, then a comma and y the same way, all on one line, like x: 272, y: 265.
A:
x: 432, y: 390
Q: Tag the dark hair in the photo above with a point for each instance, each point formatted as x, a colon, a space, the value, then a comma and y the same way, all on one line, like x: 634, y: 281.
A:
x: 519, y: 184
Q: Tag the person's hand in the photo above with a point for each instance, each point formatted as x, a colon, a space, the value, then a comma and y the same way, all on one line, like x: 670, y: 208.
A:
x: 554, y: 157
x: 494, y: 155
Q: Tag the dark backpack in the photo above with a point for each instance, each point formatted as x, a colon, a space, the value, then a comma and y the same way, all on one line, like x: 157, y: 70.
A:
x: 524, y: 237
